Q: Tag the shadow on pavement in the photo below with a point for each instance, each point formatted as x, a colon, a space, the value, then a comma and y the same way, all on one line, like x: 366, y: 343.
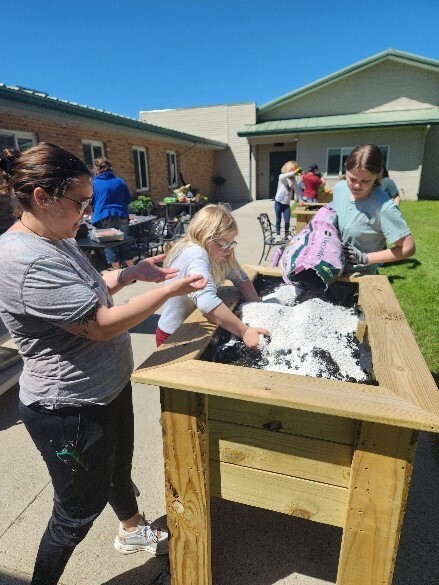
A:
x: 418, y: 556
x: 9, y: 412
x: 148, y: 326
x: 154, y: 572
x: 252, y: 545
x: 9, y: 580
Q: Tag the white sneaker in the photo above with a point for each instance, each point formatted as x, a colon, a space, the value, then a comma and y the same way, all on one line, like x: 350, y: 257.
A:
x: 149, y: 537
x: 278, y: 239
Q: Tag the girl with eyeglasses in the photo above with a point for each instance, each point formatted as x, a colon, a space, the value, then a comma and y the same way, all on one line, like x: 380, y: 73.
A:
x: 75, y: 392
x: 208, y: 249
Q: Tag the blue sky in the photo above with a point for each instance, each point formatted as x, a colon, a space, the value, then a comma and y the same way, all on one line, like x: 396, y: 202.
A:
x: 130, y: 55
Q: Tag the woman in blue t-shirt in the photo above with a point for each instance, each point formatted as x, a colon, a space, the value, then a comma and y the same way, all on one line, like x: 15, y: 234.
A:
x: 371, y: 226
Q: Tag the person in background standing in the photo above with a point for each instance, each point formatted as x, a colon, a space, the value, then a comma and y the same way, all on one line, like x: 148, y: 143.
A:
x: 388, y: 185
x: 111, y: 198
x: 311, y: 184
x: 286, y: 187
x: 371, y: 226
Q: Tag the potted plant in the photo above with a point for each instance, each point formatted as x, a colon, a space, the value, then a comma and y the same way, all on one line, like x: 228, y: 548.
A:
x: 143, y: 205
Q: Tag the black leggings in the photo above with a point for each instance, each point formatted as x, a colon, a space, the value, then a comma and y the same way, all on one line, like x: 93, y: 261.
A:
x: 104, y: 435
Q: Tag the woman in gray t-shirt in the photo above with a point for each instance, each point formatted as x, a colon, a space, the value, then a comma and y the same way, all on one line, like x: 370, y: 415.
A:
x: 75, y: 392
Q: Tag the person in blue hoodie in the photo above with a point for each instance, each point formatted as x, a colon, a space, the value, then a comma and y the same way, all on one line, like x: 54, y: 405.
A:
x: 111, y: 198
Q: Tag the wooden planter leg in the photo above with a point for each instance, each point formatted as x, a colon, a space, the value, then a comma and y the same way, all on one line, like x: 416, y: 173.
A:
x: 186, y: 454
x: 381, y: 472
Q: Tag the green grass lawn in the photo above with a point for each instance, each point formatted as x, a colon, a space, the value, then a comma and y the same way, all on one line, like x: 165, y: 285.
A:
x: 416, y: 280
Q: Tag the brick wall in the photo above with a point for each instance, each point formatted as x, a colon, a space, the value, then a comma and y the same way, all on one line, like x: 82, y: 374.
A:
x: 196, y: 164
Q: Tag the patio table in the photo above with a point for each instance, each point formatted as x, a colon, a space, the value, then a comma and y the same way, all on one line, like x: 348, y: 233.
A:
x: 192, y: 208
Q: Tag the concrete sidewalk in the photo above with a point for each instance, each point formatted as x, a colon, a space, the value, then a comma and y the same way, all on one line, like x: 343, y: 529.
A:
x: 250, y: 546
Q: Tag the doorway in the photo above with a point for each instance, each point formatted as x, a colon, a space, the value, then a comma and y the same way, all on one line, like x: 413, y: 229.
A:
x: 277, y: 161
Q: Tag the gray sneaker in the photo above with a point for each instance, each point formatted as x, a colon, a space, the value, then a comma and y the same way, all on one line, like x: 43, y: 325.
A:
x: 149, y: 537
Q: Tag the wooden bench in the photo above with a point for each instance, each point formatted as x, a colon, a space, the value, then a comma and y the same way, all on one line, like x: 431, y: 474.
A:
x: 334, y: 452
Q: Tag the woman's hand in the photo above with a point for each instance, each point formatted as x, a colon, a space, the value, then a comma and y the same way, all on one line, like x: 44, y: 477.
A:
x: 186, y: 285
x: 148, y: 270
x: 251, y: 336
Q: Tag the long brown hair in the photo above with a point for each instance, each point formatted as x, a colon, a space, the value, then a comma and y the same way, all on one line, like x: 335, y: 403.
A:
x: 45, y: 165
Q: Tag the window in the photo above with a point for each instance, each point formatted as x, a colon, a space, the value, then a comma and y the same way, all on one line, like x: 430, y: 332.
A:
x: 172, y: 168
x: 18, y: 140
x: 385, y: 151
x: 92, y: 150
x: 141, y: 168
x: 337, y: 158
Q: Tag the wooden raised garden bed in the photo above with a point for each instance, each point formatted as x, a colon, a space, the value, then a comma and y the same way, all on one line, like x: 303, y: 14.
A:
x: 341, y: 453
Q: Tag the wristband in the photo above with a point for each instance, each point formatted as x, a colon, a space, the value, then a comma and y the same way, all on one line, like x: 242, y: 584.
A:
x: 119, y: 278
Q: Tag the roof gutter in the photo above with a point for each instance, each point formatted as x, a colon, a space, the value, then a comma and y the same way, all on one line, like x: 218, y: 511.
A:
x: 50, y: 103
x: 249, y: 134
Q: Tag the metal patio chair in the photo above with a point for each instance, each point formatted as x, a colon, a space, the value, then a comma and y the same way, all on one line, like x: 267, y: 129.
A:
x: 268, y: 234
x: 174, y: 230
x: 150, y: 241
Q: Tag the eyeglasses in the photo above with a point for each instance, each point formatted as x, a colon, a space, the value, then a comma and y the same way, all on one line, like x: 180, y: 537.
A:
x: 224, y: 246
x: 82, y: 205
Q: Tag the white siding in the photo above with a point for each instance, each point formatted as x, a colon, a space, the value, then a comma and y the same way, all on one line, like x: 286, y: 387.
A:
x: 217, y: 123
x: 385, y: 85
x: 405, y: 152
x: 207, y: 122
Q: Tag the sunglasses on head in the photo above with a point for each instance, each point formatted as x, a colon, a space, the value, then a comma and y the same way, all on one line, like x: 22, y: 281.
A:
x: 82, y: 205
x: 225, y: 246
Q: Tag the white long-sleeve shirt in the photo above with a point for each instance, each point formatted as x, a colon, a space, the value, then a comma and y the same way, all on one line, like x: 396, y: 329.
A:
x: 193, y: 260
x: 286, y: 187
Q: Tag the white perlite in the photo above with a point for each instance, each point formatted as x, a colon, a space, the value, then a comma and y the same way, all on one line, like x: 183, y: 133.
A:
x: 313, y: 338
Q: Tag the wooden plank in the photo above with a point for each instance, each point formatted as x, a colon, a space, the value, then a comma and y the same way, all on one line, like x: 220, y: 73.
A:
x: 361, y: 330
x: 292, y: 455
x: 397, y: 361
x: 264, y: 270
x: 380, y: 481
x: 279, y: 493
x: 187, y: 486
x: 345, y: 399
x: 283, y: 420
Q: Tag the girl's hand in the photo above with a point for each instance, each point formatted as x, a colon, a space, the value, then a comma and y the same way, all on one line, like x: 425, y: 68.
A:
x: 251, y: 337
x: 148, y: 270
x: 187, y: 285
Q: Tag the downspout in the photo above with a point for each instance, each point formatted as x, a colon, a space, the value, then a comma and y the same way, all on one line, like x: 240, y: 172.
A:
x: 250, y: 176
x: 426, y: 131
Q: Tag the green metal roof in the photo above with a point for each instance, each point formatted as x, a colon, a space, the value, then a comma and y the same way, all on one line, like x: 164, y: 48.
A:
x: 29, y: 97
x: 401, y: 56
x: 393, y: 118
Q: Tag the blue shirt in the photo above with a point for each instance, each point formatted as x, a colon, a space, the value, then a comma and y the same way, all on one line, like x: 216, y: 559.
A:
x: 110, y: 196
x: 369, y: 224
